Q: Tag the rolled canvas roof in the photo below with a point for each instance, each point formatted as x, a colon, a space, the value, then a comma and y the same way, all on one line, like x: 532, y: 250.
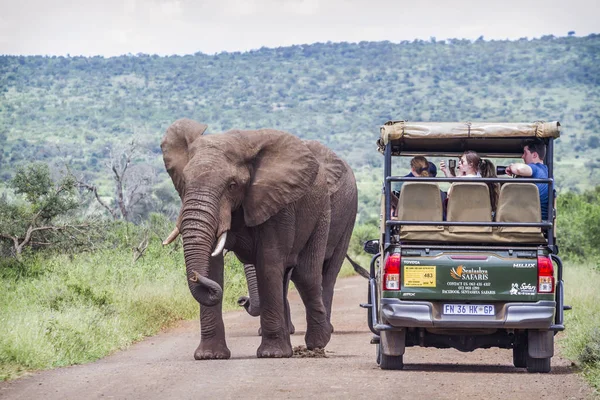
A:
x: 395, y: 130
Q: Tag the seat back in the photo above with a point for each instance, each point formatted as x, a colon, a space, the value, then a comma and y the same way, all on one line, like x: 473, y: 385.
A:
x: 420, y: 201
x: 519, y: 202
x: 469, y: 202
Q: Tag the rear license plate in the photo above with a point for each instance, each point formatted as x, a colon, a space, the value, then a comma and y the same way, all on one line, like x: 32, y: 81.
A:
x: 468, y: 309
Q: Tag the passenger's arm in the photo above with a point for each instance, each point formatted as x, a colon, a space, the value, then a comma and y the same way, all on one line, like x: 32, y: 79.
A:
x: 444, y: 168
x: 519, y: 169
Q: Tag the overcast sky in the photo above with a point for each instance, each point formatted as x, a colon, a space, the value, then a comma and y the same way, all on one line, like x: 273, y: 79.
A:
x: 115, y: 27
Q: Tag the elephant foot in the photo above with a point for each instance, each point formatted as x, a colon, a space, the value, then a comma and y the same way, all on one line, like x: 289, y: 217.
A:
x: 212, y: 350
x: 317, y: 338
x: 275, y: 348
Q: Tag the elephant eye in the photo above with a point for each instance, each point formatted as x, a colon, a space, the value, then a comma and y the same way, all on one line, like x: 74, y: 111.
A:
x: 232, y: 185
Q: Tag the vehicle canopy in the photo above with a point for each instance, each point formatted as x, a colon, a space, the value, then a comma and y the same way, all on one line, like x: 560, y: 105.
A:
x: 488, y: 139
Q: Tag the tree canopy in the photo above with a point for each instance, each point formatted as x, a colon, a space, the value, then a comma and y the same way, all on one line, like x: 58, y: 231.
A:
x: 71, y: 110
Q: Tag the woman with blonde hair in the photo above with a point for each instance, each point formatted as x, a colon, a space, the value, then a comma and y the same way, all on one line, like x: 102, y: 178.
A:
x: 419, y: 166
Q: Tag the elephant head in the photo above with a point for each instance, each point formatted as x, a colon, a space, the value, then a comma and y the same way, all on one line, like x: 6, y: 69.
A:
x: 258, y: 172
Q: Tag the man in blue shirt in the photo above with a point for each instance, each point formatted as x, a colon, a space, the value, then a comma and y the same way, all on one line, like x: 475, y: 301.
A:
x: 533, y: 156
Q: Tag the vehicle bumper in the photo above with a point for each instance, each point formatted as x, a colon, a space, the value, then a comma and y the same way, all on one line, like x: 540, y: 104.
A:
x: 426, y: 314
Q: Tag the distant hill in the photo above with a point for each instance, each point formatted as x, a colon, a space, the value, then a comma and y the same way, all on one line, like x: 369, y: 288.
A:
x: 72, y: 109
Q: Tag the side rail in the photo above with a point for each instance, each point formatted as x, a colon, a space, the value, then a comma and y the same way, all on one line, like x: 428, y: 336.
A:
x: 372, y: 305
x: 560, y: 296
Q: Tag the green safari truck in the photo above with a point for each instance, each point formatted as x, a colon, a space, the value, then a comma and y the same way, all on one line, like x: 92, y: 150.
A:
x: 460, y: 273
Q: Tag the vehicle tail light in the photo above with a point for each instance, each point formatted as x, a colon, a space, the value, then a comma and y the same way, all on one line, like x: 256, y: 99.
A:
x: 545, y: 275
x: 391, y: 272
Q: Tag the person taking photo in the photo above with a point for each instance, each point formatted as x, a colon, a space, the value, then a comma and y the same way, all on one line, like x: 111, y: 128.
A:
x: 533, y: 167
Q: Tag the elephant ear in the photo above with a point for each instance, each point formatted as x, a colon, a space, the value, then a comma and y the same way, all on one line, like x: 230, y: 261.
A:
x: 175, y: 147
x: 334, y: 166
x: 283, y: 171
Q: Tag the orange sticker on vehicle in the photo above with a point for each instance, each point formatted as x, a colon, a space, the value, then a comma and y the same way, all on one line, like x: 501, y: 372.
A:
x: 419, y: 276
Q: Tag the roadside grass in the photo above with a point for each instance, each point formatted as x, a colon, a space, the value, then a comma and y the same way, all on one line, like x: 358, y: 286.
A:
x: 581, y: 339
x: 60, y: 310
x: 70, y: 309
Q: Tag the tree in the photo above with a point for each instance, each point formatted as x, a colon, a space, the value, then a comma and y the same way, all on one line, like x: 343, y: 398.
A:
x: 133, y: 181
x: 36, y: 217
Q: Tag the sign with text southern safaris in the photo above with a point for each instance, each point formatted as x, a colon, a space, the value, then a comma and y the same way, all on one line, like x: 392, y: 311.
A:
x: 490, y: 279
x: 469, y: 281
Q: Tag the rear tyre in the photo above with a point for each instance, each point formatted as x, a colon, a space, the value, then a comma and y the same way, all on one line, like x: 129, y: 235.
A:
x: 520, y: 355
x: 538, y: 364
x: 390, y: 362
x: 378, y: 354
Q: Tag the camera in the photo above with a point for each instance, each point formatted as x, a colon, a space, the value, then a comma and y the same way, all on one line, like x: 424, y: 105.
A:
x: 452, y: 166
x: 501, y: 170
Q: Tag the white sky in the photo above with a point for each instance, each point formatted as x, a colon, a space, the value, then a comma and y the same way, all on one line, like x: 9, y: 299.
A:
x: 115, y: 27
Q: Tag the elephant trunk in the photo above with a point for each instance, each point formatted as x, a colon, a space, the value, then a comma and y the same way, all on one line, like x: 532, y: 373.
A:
x: 251, y: 303
x: 198, y: 227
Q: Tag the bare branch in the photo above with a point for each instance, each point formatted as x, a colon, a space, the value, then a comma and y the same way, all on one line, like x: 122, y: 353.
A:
x: 141, y: 248
x: 94, y: 189
x: 14, y: 239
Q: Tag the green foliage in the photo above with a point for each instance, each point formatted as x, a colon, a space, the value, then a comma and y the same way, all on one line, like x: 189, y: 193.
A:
x: 578, y: 224
x: 360, y: 235
x: 591, y: 351
x: 32, y: 218
x: 45, y: 198
x: 33, y: 181
x: 60, y: 309
x: 581, y: 340
x: 75, y: 108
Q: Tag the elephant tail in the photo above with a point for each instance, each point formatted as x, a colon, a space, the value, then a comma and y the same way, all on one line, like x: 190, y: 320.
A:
x: 359, y: 270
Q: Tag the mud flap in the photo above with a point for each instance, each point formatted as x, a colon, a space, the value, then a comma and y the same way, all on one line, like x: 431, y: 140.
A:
x: 393, y: 342
x: 540, y: 344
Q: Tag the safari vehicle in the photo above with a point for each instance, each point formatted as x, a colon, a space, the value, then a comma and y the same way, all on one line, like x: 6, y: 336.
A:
x: 468, y: 281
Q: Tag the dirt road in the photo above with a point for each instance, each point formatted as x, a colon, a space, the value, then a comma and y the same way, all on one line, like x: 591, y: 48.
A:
x: 162, y: 367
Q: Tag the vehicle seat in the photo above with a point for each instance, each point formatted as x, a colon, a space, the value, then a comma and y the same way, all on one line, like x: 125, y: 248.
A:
x: 470, y: 202
x: 519, y: 202
x: 420, y: 201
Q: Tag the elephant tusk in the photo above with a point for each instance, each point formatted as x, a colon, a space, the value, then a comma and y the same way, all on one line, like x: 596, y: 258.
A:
x: 220, y: 245
x: 171, y: 237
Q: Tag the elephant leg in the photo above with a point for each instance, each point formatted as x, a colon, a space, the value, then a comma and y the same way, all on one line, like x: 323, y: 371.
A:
x: 212, y: 330
x: 307, y: 277
x: 288, y: 314
x: 288, y: 311
x: 275, y: 341
x: 331, y: 269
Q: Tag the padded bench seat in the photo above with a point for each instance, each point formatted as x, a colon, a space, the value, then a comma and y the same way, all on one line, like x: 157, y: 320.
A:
x: 470, y: 202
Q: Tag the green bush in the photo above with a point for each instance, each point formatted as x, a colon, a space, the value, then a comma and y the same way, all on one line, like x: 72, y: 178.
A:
x: 360, y: 235
x: 591, y: 351
x: 578, y: 225
x: 64, y: 309
x: 581, y: 339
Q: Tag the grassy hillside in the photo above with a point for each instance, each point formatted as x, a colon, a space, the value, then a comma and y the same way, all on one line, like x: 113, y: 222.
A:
x: 75, y: 109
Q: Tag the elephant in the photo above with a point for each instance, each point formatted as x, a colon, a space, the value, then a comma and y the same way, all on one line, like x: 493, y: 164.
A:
x: 263, y: 195
x: 344, y: 202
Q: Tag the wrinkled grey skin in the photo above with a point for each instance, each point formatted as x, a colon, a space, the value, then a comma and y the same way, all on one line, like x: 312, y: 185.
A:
x: 269, y: 193
x: 344, y: 203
